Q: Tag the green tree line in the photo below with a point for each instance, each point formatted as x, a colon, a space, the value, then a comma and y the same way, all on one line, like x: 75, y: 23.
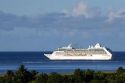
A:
x: 22, y: 75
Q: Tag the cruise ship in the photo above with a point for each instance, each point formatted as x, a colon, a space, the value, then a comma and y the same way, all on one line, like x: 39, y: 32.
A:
x: 96, y: 52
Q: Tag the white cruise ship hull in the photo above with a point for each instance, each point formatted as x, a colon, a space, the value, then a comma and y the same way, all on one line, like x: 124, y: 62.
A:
x: 92, y: 53
x: 93, y: 57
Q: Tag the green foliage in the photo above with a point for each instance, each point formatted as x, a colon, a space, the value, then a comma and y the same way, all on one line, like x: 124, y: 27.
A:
x: 2, y: 79
x: 42, y: 78
x: 78, y: 76
x: 9, y: 76
x: 67, y: 79
x: 88, y: 75
x: 34, y: 74
x: 55, y: 78
x: 99, y: 75
x: 22, y: 75
x: 98, y: 81
x: 120, y: 70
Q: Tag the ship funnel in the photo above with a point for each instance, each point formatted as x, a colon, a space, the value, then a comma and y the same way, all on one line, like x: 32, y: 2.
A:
x: 97, y: 45
x: 69, y: 46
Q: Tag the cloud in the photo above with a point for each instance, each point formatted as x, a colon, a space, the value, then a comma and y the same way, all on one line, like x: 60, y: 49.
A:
x: 116, y: 15
x: 82, y: 9
x: 59, y: 28
x: 10, y: 21
x: 7, y: 20
x: 57, y: 23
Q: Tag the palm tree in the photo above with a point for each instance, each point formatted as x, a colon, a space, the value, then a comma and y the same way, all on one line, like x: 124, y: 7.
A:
x: 24, y: 75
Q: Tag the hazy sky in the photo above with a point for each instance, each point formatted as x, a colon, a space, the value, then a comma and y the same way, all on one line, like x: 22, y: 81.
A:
x: 35, y: 25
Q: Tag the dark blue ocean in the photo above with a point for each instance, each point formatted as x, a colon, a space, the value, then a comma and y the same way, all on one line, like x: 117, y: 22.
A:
x: 37, y: 61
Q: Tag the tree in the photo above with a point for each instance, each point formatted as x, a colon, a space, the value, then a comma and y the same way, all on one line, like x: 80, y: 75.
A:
x: 78, y: 76
x: 88, y: 75
x: 41, y: 78
x: 55, y: 78
x: 66, y: 79
x: 120, y: 70
x: 34, y: 74
x: 2, y: 79
x: 9, y: 76
x: 98, y: 81
x: 99, y: 75
x: 23, y: 75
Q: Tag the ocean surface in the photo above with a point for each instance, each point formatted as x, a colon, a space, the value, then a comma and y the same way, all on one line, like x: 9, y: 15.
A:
x: 37, y: 61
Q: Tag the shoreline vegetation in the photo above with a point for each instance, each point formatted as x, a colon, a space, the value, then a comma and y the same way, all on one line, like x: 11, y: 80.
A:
x: 23, y: 75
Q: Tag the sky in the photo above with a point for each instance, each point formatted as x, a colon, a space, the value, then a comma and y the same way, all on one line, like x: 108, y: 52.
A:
x: 40, y: 25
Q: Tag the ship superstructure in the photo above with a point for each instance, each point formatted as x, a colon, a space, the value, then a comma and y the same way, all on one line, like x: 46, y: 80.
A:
x: 96, y: 52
